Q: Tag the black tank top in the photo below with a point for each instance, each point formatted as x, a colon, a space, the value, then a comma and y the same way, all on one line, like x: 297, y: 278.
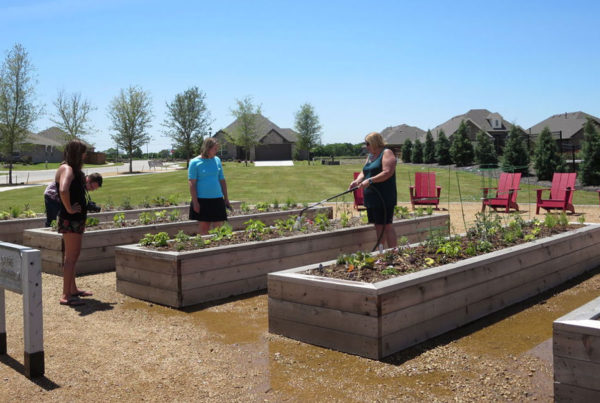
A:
x: 387, y: 189
x: 77, y: 195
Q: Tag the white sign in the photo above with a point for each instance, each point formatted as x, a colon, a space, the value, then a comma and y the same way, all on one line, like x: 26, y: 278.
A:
x: 21, y: 272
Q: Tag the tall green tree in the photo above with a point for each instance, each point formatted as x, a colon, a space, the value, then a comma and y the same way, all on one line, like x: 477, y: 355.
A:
x: 130, y: 113
x: 442, y: 149
x: 308, y: 127
x: 245, y: 133
x: 461, y: 150
x: 407, y: 151
x: 516, y: 157
x: 72, y: 115
x: 17, y: 108
x: 188, y: 121
x: 547, y: 158
x: 417, y: 152
x: 485, y: 153
x: 590, y: 167
x: 429, y: 149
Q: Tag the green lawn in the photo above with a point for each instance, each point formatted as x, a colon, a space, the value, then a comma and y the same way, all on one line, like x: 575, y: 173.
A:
x: 42, y: 166
x: 300, y: 183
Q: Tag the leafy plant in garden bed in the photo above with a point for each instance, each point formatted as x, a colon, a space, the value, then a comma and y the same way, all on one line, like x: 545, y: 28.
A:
x: 255, y: 230
x: 487, y: 234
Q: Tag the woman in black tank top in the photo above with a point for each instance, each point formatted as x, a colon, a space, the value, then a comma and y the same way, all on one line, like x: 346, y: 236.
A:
x: 378, y: 179
x: 71, y: 216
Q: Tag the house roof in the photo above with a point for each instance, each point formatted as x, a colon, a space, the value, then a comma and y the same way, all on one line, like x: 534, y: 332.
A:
x: 399, y: 134
x: 58, y: 135
x: 264, y: 127
x: 568, y: 123
x: 479, y: 117
x: 33, y: 138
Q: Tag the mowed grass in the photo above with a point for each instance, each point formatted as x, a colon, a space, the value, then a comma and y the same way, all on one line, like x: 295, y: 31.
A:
x: 301, y: 183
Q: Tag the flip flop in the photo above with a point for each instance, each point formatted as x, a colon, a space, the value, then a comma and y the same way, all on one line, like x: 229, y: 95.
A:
x: 83, y: 293
x: 72, y: 301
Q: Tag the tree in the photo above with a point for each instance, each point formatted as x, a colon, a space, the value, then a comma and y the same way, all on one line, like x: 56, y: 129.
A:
x: 245, y: 133
x: 547, y: 158
x: 131, y: 114
x: 308, y: 127
x: 407, y: 151
x: 429, y: 149
x: 516, y: 157
x: 417, y: 152
x: 17, y: 108
x: 590, y: 167
x: 461, y: 150
x: 485, y: 154
x: 188, y: 121
x: 72, y: 115
x: 442, y: 149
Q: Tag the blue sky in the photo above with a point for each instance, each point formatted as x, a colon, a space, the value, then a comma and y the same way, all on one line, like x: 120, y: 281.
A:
x: 363, y: 65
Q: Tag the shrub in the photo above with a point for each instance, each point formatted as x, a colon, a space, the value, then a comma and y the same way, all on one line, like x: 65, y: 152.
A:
x: 461, y: 150
x: 429, y: 149
x: 546, y: 157
x: 417, y: 152
x: 407, y: 151
x: 485, y: 154
x: 590, y: 167
x: 516, y: 158
x: 442, y: 149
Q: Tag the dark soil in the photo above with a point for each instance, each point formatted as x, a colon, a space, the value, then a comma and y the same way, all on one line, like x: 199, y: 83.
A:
x: 404, y: 260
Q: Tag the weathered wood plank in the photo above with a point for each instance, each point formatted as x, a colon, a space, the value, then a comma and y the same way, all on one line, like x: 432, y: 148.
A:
x: 575, y: 394
x: 349, y: 343
x: 325, y: 318
x: 165, y: 281
x: 223, y: 290
x: 574, y: 345
x: 573, y: 372
x: 147, y: 293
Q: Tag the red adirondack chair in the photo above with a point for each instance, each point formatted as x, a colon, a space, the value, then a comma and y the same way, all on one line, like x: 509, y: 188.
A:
x: 561, y: 193
x: 425, y: 192
x: 359, y: 199
x: 506, y: 193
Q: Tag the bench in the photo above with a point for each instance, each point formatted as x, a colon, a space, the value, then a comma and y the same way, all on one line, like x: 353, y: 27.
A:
x: 155, y: 163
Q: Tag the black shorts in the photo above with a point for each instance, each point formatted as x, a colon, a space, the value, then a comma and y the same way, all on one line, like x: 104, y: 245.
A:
x: 211, y: 210
x: 377, y: 215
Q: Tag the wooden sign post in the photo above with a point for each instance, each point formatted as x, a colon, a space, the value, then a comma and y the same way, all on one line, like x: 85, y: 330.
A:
x: 21, y: 272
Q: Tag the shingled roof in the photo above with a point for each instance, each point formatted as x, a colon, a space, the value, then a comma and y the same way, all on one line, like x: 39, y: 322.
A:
x: 568, y: 123
x: 264, y: 127
x: 399, y: 134
x: 482, y: 118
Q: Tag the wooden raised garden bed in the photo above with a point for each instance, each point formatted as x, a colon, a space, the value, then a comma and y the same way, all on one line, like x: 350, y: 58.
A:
x: 12, y: 230
x: 375, y: 320
x: 98, y: 247
x: 576, y: 347
x: 181, y: 279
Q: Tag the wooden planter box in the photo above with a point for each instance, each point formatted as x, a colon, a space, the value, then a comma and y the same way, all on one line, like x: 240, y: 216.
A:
x: 379, y: 319
x: 181, y: 279
x: 576, y: 346
x: 98, y: 247
x: 12, y: 230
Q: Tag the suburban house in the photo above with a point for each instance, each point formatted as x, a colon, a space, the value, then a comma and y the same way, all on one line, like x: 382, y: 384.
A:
x: 275, y: 143
x: 47, y: 146
x: 395, y: 136
x: 566, y: 128
x: 493, y: 124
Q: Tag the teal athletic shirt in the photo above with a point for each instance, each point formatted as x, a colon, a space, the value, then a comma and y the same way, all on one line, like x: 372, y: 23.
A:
x: 208, y: 174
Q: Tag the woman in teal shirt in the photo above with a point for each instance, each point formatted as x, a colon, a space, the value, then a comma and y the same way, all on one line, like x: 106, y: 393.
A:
x: 208, y: 188
x: 378, y: 181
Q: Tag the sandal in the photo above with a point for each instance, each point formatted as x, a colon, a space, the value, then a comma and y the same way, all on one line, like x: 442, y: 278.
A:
x: 83, y: 293
x: 72, y: 301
